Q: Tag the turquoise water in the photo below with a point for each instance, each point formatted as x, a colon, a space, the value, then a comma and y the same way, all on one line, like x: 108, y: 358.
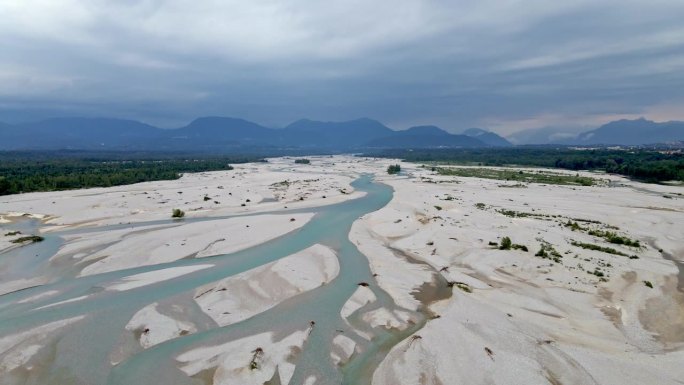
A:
x: 82, y: 355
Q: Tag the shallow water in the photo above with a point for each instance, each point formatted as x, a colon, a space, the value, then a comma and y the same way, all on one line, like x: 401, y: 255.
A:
x: 83, y: 354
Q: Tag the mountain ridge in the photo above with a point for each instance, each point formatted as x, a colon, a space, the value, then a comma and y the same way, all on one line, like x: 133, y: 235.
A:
x: 217, y: 133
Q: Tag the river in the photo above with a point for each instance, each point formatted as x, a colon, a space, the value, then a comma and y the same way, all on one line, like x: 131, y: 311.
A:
x: 83, y: 354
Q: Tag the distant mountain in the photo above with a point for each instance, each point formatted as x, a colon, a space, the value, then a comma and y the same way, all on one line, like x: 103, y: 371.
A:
x: 487, y: 137
x: 352, y: 133
x: 545, y: 135
x: 423, y: 130
x: 80, y: 133
x: 224, y: 134
x: 425, y: 137
x: 633, y: 132
x: 213, y: 131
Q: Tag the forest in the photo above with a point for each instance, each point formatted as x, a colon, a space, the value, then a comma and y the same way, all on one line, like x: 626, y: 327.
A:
x: 644, y: 165
x: 53, y: 171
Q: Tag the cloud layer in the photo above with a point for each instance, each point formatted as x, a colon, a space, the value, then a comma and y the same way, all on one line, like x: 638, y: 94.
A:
x: 505, y: 64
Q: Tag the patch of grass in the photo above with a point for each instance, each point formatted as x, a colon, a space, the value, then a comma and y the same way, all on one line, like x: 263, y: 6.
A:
x: 519, y: 176
x: 614, y: 238
x: 283, y: 183
x: 603, y: 249
x: 177, y: 213
x: 547, y: 251
x: 480, y: 206
x: 439, y: 208
x: 30, y: 238
x: 516, y: 246
x: 463, y: 286
x: 302, y: 161
x: 522, y: 214
x: 574, y: 226
x: 12, y: 233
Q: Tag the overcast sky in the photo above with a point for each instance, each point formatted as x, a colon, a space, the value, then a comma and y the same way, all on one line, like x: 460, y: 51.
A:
x: 505, y: 65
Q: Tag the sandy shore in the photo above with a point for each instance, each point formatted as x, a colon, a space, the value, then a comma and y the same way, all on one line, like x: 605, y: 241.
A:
x: 241, y: 296
x: 514, y: 312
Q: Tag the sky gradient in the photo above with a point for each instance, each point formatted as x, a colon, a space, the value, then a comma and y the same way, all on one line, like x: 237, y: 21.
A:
x: 504, y: 65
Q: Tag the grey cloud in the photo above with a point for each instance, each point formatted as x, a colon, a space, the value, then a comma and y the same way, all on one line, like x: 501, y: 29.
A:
x: 505, y: 65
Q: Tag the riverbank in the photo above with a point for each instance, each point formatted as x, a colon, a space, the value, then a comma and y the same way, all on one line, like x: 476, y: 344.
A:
x: 555, y: 312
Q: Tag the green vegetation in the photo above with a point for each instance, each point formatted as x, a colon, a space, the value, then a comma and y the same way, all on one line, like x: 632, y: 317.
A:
x: 30, y: 238
x: 39, y: 171
x: 642, y: 164
x: 516, y: 246
x: 520, y: 176
x: 12, y: 233
x: 603, y: 249
x: 614, y: 238
x: 302, y: 161
x: 648, y: 284
x: 505, y: 243
x: 256, y: 356
x: 463, y: 286
x: 597, y: 272
x: 393, y: 169
x: 609, y: 236
x: 574, y: 226
x: 480, y: 206
x: 521, y: 214
x: 547, y: 251
x: 177, y: 213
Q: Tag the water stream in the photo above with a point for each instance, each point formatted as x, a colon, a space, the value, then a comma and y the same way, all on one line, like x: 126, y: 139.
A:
x: 83, y: 354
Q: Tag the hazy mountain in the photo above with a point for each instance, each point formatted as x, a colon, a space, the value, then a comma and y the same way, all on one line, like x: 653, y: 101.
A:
x: 634, y: 132
x: 425, y: 137
x: 352, y: 133
x: 487, y: 137
x: 82, y: 133
x: 545, y: 135
x: 219, y: 132
x: 424, y: 130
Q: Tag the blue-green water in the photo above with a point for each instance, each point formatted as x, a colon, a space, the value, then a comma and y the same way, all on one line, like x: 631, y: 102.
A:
x: 82, y: 354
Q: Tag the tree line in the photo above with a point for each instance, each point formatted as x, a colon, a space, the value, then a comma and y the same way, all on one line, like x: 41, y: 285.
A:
x: 644, y: 165
x: 26, y: 172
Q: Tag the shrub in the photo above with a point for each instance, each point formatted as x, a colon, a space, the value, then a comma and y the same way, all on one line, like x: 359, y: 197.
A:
x: 603, y: 249
x: 177, y: 213
x: 516, y: 246
x: 547, y: 251
x: 393, y: 169
x: 30, y: 238
x: 648, y: 284
x: 505, y: 243
x: 302, y: 161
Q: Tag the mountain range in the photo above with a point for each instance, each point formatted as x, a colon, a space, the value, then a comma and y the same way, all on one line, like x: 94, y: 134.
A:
x: 222, y: 134
x: 620, y: 132
x: 219, y: 134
